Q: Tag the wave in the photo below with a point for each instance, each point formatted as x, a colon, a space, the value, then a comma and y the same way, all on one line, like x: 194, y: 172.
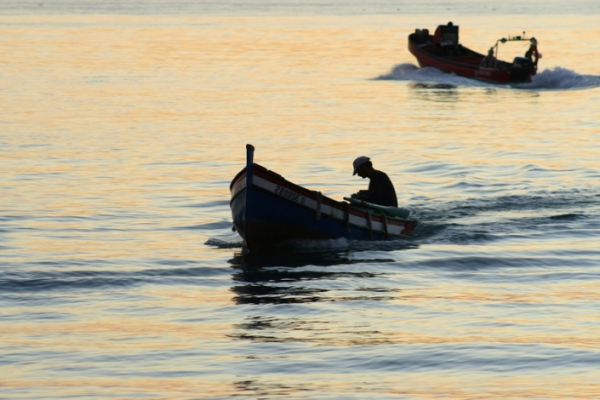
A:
x: 572, y: 214
x: 225, y: 242
x: 297, y: 248
x: 557, y: 78
x: 560, y: 78
x: 33, y: 279
x: 399, y: 72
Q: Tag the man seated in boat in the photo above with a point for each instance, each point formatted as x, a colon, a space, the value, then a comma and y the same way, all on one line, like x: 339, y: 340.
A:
x: 489, y: 61
x: 381, y: 189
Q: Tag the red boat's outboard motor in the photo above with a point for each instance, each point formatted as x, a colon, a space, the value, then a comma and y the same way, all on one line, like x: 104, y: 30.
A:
x: 521, y: 69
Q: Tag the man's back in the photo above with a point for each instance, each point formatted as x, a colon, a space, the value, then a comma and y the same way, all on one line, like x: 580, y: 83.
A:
x: 381, y: 190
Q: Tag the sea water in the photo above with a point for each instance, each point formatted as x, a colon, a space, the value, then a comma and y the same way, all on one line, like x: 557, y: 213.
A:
x: 123, y: 124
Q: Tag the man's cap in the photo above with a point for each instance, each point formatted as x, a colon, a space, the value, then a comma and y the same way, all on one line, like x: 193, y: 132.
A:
x: 358, y: 162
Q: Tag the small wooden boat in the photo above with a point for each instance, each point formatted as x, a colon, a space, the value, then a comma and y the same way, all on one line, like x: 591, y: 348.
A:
x: 269, y: 210
x: 443, y: 51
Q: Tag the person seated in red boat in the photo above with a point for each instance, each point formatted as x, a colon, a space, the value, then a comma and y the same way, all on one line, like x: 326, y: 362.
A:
x: 532, y: 54
x: 489, y: 61
x: 381, y: 189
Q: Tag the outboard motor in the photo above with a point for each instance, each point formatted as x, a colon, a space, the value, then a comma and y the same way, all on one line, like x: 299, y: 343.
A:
x: 521, y: 69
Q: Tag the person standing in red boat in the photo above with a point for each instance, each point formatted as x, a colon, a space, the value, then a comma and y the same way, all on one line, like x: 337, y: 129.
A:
x: 381, y: 189
x: 532, y: 54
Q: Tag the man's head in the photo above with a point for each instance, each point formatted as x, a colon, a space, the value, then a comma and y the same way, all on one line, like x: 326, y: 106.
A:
x: 362, y: 165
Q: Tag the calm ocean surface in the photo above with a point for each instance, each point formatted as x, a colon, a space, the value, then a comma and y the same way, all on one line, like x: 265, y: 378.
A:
x: 123, y: 123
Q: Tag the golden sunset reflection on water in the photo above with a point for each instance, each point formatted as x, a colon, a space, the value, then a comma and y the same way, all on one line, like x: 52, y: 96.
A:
x: 121, y: 276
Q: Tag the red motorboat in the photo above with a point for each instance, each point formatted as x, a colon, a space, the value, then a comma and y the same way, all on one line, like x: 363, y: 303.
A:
x: 443, y: 51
